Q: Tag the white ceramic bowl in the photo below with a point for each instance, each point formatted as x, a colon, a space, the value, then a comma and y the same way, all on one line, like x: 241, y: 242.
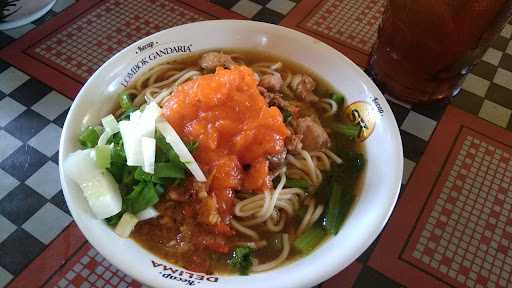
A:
x: 381, y: 181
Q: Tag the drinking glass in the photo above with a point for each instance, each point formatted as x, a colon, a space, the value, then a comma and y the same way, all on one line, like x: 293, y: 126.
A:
x: 426, y: 47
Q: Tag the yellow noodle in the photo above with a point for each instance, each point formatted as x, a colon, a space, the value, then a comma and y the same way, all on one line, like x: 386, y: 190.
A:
x: 299, y: 174
x: 264, y: 70
x: 244, y: 230
x: 269, y: 65
x: 316, y: 214
x: 286, y: 83
x: 272, y: 226
x: 333, y: 106
x: 266, y: 204
x: 153, y: 73
x: 333, y: 156
x: 307, y: 217
x: 295, y: 201
x: 253, y: 245
x: 173, y: 82
x: 295, y: 191
x: 310, y: 165
x: 286, y: 206
x: 324, y: 163
x: 267, y: 211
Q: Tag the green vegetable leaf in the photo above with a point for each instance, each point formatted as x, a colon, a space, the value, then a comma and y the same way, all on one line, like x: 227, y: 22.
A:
x: 116, y: 139
x: 354, y: 162
x: 169, y: 170
x: 125, y: 101
x: 348, y: 130
x: 140, y: 175
x: 160, y: 189
x: 124, y: 116
x: 241, y: 260
x: 338, y: 98
x: 117, y: 154
x: 89, y: 137
x: 340, y: 201
x: 296, y: 183
x: 165, y: 153
x: 287, y: 116
x: 142, y: 196
x: 308, y: 240
x: 128, y: 179
x: 162, y: 148
x: 113, y: 220
x: 117, y: 163
x: 103, y: 156
x: 192, y: 146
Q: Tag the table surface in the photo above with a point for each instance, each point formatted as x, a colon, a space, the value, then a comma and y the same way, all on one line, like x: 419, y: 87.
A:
x: 40, y: 73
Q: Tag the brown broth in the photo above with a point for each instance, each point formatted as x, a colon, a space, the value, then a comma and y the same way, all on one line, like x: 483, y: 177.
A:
x: 155, y: 236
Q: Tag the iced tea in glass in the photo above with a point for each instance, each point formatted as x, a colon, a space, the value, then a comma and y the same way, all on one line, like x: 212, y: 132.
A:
x: 425, y: 47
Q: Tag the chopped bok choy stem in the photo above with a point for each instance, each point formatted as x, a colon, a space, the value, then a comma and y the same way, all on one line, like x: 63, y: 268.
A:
x: 110, y: 126
x: 99, y: 187
x: 126, y: 225
x: 148, y: 154
x: 147, y: 213
x: 102, y: 155
x: 140, y: 125
x: 110, y: 123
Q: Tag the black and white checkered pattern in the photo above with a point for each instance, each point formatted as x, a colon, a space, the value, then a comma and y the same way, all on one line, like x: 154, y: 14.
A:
x: 271, y: 11
x: 487, y: 91
x: 32, y: 208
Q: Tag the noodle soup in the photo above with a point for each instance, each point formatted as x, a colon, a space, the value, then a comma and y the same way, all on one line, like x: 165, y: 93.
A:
x: 275, y: 164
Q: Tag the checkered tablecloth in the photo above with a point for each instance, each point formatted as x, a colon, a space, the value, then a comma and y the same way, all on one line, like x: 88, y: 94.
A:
x: 33, y: 212
x: 487, y: 91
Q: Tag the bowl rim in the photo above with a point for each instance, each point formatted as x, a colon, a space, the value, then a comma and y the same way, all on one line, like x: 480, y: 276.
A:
x: 319, y: 275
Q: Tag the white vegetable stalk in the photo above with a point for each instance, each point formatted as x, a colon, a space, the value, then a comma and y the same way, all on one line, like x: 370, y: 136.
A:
x: 131, y: 143
x: 110, y: 127
x: 126, y: 225
x: 147, y: 213
x: 174, y: 139
x: 148, y: 154
x: 81, y: 166
x: 135, y: 116
x: 110, y: 123
x: 102, y: 193
x: 133, y: 131
x: 99, y: 187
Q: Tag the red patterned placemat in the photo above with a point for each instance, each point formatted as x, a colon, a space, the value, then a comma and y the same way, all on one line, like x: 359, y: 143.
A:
x: 58, y: 253
x: 348, y: 25
x: 453, y: 225
x: 89, y: 269
x: 70, y: 261
x: 66, y: 51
